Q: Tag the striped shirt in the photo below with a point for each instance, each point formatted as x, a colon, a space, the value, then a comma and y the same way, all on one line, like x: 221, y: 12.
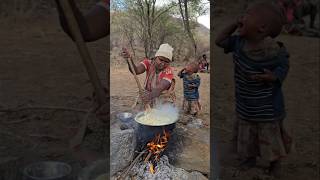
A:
x: 257, y: 101
x: 191, y: 85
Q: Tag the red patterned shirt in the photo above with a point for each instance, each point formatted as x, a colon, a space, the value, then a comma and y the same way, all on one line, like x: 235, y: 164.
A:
x: 166, y: 74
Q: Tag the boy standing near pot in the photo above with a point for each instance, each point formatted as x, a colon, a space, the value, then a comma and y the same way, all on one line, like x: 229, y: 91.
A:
x: 191, y: 83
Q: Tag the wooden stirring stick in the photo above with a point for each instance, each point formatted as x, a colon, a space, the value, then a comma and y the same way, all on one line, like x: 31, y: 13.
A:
x: 147, y: 106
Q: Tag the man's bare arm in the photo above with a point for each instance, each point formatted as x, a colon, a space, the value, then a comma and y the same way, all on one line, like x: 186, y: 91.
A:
x: 139, y: 69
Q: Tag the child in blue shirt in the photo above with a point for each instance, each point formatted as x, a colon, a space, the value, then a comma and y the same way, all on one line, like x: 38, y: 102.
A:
x: 191, y: 83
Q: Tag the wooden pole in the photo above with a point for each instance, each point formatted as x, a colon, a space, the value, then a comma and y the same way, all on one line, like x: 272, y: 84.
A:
x: 83, y: 50
x: 147, y: 106
x: 135, y: 76
x: 90, y: 67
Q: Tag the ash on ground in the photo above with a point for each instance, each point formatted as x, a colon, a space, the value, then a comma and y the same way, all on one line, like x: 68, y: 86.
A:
x: 163, y: 171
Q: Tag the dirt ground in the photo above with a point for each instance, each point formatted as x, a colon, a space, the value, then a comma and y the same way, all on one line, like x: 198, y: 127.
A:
x: 301, y: 91
x: 40, y: 66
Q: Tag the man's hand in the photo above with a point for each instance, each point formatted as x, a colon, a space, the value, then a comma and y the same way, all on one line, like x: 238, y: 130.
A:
x: 268, y: 76
x: 145, y: 96
x: 139, y: 69
x: 125, y: 54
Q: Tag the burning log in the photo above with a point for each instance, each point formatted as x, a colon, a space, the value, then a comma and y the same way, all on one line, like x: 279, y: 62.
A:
x: 155, y: 148
x: 125, y: 173
x: 164, y: 170
x: 148, y: 157
x: 158, y: 145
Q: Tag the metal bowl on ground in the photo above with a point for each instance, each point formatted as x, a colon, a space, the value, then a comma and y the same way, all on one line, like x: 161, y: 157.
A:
x: 47, y: 170
x: 125, y: 117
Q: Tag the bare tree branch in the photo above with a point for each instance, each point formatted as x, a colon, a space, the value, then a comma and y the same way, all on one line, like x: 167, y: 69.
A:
x: 164, y: 11
x: 183, y: 6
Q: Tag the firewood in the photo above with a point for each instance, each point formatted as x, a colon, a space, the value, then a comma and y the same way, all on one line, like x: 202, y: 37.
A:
x: 125, y: 173
x: 148, y: 157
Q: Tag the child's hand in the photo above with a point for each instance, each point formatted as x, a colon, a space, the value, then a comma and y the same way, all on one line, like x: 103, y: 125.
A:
x: 268, y: 76
x: 227, y: 32
x: 191, y: 86
x: 181, y: 71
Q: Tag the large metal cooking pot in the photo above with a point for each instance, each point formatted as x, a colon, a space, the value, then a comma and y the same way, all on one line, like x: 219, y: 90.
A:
x: 146, y: 132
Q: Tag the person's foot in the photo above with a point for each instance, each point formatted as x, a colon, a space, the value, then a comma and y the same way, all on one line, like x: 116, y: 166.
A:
x: 248, y: 163
x: 275, y: 169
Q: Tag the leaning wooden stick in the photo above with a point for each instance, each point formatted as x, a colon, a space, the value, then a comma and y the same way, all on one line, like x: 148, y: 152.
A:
x: 78, y: 138
x: 148, y: 157
x: 90, y: 67
x: 137, y: 80
x: 125, y: 173
x: 83, y: 50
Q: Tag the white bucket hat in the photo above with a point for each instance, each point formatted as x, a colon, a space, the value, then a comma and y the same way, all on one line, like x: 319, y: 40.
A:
x: 165, y: 50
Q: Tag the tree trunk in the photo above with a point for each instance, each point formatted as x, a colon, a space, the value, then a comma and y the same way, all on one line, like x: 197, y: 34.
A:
x: 185, y: 17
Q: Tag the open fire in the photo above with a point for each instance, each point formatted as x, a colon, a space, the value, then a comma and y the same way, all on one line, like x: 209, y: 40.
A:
x: 155, y: 148
x: 151, y: 169
x: 152, y: 153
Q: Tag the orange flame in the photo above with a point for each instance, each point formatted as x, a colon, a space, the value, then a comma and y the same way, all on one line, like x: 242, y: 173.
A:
x: 151, y: 168
x: 158, y: 144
